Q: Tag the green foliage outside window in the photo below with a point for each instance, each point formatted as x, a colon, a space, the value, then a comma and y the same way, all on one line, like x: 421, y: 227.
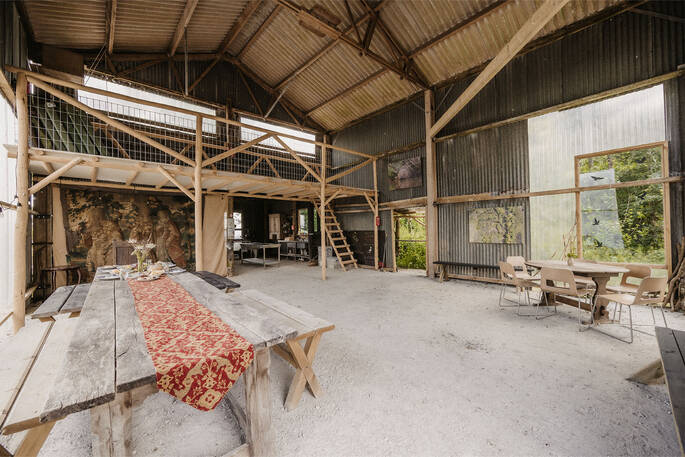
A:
x: 640, y: 208
x: 411, y: 254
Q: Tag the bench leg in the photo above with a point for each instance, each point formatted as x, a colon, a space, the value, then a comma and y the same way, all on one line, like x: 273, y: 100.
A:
x: 258, y: 405
x: 303, y: 359
x: 34, y: 439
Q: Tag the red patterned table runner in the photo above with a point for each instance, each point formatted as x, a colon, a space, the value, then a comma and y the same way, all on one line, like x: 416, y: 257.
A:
x: 197, y: 356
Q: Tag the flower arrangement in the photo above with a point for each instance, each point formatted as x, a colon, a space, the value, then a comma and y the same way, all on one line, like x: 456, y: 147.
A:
x: 141, y: 251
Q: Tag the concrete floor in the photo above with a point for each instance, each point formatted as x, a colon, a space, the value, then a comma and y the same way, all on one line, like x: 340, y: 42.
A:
x: 419, y: 368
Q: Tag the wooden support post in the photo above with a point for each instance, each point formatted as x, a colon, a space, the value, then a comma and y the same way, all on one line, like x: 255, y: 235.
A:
x: 199, y: 254
x: 579, y: 216
x: 393, y: 225
x: 20, y: 226
x: 322, y: 218
x: 375, y: 216
x: 258, y: 405
x: 431, y: 188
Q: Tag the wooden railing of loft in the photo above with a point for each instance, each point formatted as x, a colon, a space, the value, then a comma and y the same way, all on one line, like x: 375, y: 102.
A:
x: 43, y: 82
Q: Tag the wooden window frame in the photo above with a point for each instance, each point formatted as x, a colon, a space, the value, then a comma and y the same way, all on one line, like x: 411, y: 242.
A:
x: 643, y: 182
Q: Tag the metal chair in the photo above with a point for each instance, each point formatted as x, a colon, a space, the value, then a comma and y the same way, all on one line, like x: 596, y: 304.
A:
x: 520, y: 280
x: 519, y: 264
x: 562, y: 282
x: 650, y: 292
x: 634, y: 271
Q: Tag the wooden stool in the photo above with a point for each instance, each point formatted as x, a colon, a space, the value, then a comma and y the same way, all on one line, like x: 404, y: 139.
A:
x: 66, y: 268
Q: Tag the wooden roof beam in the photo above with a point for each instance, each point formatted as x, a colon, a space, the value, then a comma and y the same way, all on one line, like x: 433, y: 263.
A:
x: 334, y: 33
x: 411, y: 54
x: 110, y: 23
x: 182, y: 25
x: 328, y: 47
x: 530, y: 28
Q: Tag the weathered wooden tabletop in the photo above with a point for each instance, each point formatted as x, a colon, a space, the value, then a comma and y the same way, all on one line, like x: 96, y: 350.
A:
x: 108, y: 354
x: 580, y: 268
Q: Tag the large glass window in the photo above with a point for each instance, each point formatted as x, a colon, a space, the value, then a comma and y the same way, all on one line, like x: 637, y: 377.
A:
x: 622, y: 224
x: 142, y: 112
x: 302, y: 147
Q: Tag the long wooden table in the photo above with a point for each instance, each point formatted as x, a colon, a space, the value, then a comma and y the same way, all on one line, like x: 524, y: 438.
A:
x: 107, y: 368
x: 599, y: 273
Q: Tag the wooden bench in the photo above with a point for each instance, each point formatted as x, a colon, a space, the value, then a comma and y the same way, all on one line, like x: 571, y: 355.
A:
x: 29, y: 364
x: 64, y: 300
x: 672, y: 345
x: 217, y: 281
x: 443, y: 264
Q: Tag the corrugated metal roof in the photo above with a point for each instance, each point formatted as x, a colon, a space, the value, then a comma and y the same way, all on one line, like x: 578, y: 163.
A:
x: 284, y: 45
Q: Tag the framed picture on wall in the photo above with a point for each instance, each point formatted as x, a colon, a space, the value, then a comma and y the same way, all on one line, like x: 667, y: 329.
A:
x: 405, y: 173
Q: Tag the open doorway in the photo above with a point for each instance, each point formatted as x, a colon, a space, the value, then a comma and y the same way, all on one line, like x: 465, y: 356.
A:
x: 410, y: 239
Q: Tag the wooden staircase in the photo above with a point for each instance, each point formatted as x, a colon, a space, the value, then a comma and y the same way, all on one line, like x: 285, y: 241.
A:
x: 337, y: 239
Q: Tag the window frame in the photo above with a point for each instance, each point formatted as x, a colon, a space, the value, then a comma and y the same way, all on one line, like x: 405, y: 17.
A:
x: 639, y: 183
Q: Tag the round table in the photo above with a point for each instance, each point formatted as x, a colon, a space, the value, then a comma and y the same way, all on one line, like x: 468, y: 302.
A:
x: 598, y: 272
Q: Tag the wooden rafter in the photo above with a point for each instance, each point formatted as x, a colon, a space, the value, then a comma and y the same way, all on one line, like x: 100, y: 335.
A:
x: 54, y: 175
x: 236, y: 150
x: 142, y: 66
x: 336, y: 34
x: 110, y: 24
x: 328, y: 47
x: 352, y: 21
x: 187, y: 14
x: 299, y: 159
x: 228, y: 39
x: 260, y: 30
x: 411, y: 54
x: 249, y: 91
x: 530, y: 28
x: 171, y: 178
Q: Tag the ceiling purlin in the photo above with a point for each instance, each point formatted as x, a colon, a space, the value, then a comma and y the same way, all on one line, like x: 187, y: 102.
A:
x: 329, y: 46
x: 413, y: 53
x: 182, y: 24
x: 259, y: 31
x: 332, y: 32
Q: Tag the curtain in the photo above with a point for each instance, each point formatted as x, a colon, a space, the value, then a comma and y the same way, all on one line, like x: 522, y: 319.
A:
x: 214, y: 235
x: 59, y: 236
x: 8, y: 135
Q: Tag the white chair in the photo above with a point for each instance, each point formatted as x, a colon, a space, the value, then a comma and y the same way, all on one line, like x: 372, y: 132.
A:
x: 634, y: 271
x: 519, y: 264
x: 560, y: 281
x: 649, y: 293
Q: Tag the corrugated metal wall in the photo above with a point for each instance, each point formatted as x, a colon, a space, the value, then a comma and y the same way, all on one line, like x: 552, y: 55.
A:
x: 14, y: 41
x: 626, y: 49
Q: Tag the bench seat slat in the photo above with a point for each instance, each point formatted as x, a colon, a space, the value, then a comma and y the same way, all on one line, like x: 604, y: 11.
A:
x: 29, y: 404
x: 76, y: 300
x: 86, y: 378
x: 17, y: 356
x: 671, y: 344
x: 52, y: 305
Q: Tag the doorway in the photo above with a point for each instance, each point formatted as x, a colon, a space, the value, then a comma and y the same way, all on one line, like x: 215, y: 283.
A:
x: 410, y: 238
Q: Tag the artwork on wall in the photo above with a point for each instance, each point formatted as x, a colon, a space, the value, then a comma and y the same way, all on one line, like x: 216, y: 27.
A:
x: 502, y: 225
x: 94, y: 219
x: 405, y: 173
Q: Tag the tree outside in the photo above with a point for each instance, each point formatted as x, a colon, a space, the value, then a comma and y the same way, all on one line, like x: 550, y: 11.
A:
x: 412, y: 242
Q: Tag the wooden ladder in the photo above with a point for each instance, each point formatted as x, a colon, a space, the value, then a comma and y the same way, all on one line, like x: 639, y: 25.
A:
x: 337, y: 239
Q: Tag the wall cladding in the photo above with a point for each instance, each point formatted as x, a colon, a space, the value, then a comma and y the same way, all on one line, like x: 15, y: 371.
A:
x: 14, y: 42
x: 494, y: 160
x: 625, y: 49
x: 454, y: 245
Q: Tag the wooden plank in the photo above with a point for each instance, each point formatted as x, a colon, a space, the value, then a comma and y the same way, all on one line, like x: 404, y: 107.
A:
x: 526, y: 33
x: 87, y: 375
x: 134, y: 366
x: 54, y: 302
x: 258, y: 405
x: 248, y: 317
x: 17, y: 357
x: 76, y: 300
x: 33, y: 441
x: 110, y: 24
x: 25, y: 413
x: 674, y: 368
x: 308, y: 322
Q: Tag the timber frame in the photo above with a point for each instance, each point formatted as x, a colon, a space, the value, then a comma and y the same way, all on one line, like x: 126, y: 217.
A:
x: 192, y: 177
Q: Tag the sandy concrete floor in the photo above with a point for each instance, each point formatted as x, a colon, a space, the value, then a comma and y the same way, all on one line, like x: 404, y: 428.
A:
x: 415, y: 367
